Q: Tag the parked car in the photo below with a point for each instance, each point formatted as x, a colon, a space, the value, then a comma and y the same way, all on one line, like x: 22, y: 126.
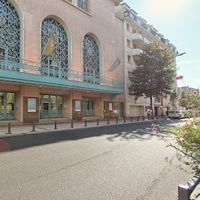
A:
x: 176, y: 114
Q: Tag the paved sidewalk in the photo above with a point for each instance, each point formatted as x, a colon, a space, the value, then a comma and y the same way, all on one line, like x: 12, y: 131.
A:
x: 40, y: 128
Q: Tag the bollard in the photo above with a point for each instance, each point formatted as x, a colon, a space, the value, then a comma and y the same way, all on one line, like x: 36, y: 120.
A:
x: 138, y: 118
x: 97, y: 121
x: 131, y: 119
x: 143, y: 117
x: 55, y: 125
x: 117, y: 120
x: 124, y: 119
x: 33, y: 129
x: 9, y: 128
x: 108, y: 122
x: 72, y: 123
x: 85, y: 122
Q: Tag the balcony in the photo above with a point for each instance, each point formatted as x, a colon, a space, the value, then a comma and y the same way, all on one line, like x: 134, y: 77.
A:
x: 139, y: 40
x: 54, y: 76
x: 137, y: 54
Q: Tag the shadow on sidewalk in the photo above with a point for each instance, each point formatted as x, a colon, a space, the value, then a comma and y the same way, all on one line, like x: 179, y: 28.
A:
x: 141, y: 131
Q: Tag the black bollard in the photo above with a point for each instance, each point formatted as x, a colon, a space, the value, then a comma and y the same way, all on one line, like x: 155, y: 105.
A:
x: 143, y: 117
x: 86, y: 123
x: 33, y: 128
x: 97, y: 121
x: 108, y: 122
x: 9, y: 128
x: 124, y: 119
x: 72, y: 123
x: 131, y: 119
x: 55, y: 125
x: 138, y: 118
x: 117, y: 120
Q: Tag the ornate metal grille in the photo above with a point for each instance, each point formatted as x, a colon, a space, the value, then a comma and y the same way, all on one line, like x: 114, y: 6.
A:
x: 91, y: 60
x: 83, y: 4
x: 10, y: 30
x: 54, y: 44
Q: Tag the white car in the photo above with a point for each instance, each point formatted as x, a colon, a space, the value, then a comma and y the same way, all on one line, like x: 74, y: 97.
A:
x: 176, y: 114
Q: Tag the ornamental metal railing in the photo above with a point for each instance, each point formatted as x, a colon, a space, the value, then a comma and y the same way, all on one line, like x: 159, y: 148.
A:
x: 30, y: 67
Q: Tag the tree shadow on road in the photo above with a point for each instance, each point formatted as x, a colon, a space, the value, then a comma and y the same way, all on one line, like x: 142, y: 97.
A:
x: 139, y: 131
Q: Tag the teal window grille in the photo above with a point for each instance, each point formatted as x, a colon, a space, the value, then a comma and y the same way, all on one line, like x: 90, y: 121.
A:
x: 83, y: 4
x: 54, y: 45
x: 10, y: 30
x: 91, y: 59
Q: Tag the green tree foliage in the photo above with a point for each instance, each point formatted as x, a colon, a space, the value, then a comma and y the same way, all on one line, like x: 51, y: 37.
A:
x: 183, y: 101
x: 187, y: 143
x: 187, y: 137
x: 155, y: 74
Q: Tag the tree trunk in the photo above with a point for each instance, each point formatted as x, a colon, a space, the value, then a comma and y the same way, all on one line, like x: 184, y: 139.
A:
x: 162, y: 114
x: 151, y: 104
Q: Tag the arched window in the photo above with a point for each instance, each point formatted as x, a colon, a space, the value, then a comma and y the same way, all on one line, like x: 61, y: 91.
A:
x: 91, y: 57
x: 54, y: 45
x: 9, y: 30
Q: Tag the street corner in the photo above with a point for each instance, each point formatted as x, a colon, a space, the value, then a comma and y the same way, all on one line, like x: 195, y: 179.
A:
x: 4, y: 146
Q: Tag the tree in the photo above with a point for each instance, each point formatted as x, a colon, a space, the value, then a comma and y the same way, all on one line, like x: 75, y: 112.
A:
x: 186, y: 138
x: 155, y: 74
x: 183, y: 100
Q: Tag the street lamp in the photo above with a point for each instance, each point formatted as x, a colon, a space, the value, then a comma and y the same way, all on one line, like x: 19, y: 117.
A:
x: 180, y: 54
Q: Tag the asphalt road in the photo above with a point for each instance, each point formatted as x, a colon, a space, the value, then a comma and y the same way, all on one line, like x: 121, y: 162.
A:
x: 116, y: 162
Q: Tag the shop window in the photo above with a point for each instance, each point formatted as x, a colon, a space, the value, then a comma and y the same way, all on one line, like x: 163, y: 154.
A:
x: 7, y: 105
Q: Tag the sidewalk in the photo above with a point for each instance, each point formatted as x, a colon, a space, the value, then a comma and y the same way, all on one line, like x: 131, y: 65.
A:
x: 42, y: 128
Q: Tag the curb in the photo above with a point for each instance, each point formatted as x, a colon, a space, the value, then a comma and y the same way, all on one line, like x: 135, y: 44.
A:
x: 67, y: 129
x: 184, y: 191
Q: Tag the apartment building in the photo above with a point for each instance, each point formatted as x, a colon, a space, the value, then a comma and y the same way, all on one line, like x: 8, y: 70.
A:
x: 57, y: 58
x: 137, y: 33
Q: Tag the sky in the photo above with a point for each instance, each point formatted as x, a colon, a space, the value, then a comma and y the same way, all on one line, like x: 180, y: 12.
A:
x: 178, y: 21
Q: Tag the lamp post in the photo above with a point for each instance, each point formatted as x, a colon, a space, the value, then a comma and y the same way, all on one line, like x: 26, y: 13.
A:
x: 180, y: 54
x: 179, y: 77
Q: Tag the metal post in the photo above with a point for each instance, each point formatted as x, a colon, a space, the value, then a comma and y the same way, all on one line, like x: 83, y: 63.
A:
x: 131, y: 119
x: 9, y: 128
x: 55, y: 125
x: 33, y: 129
x: 117, y: 120
x: 138, y: 118
x: 143, y: 117
x: 85, y: 122
x: 124, y: 119
x: 108, y: 122
x: 72, y: 123
x: 97, y: 121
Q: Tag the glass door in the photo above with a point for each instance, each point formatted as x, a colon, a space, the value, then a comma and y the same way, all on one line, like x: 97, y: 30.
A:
x: 51, y: 106
x: 88, y: 107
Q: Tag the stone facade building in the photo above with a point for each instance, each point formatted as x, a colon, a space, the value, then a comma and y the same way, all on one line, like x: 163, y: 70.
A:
x: 137, y: 33
x: 60, y: 59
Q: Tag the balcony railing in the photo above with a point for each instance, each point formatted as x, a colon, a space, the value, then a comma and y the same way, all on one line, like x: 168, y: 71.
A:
x: 56, y: 76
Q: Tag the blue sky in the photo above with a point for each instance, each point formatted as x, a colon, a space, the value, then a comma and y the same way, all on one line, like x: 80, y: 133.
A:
x: 178, y: 21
